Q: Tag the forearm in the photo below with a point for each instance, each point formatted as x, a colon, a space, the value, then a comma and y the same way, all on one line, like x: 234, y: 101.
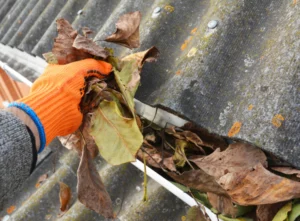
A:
x: 17, y: 155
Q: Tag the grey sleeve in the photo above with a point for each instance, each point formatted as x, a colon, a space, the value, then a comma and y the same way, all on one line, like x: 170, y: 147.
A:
x: 17, y: 157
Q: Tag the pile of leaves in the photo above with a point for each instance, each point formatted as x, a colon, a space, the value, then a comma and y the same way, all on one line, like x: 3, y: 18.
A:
x: 234, y: 181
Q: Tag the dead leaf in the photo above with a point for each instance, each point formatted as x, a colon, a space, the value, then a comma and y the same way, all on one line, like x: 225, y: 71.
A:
x: 199, y: 180
x: 210, y: 140
x: 258, y: 187
x: 89, y: 46
x: 128, y: 79
x: 140, y: 58
x: 64, y: 196
x: 154, y: 157
x: 91, y: 191
x: 186, y: 135
x: 127, y: 33
x: 237, y: 157
x: 62, y: 49
x: 179, y: 155
x: 222, y: 204
x: 195, y: 214
x: 88, y: 139
x: 287, y: 170
x: 86, y: 31
x: 267, y: 212
x: 50, y: 58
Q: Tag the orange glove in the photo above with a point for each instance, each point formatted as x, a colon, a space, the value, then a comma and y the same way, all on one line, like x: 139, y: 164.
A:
x: 53, y: 102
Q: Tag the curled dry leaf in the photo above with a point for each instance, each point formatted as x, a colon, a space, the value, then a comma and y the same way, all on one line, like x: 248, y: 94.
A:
x: 225, y: 206
x: 222, y: 204
x: 128, y: 79
x: 63, y: 44
x: 118, y: 138
x: 287, y: 170
x: 90, y: 189
x: 179, y: 155
x: 209, y: 140
x: 195, y: 214
x: 41, y: 180
x: 87, y: 45
x: 199, y: 180
x: 267, y: 212
x: 86, y: 31
x: 72, y: 141
x: 64, y: 196
x: 127, y: 33
x: 259, y: 186
x: 237, y: 157
x: 186, y: 135
x: 155, y: 159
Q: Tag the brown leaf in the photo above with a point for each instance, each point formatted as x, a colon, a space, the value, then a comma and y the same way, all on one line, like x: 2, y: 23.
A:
x: 237, y: 157
x: 87, y: 45
x: 86, y: 31
x: 62, y: 49
x: 140, y: 58
x: 154, y: 157
x: 267, y: 212
x: 258, y: 187
x: 90, y: 189
x: 222, y: 204
x: 89, y: 140
x: 287, y: 170
x: 199, y: 180
x: 71, y: 141
x: 209, y: 140
x: 127, y: 33
x: 41, y: 180
x: 64, y: 196
x: 186, y: 135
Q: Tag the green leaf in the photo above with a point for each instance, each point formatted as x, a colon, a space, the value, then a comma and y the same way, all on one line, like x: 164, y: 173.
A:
x: 118, y: 138
x: 241, y: 210
x: 282, y: 214
x: 294, y: 213
x: 181, y: 187
x: 202, y: 198
x: 128, y: 73
x: 224, y: 218
x: 195, y: 214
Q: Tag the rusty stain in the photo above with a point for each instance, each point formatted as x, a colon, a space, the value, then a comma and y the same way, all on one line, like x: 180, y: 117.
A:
x: 277, y: 120
x: 169, y: 8
x: 186, y: 42
x: 178, y: 72
x: 235, y: 129
x: 250, y: 107
x: 10, y: 209
x: 194, y: 31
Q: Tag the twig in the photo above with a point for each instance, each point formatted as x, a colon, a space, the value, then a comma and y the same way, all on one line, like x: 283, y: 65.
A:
x: 153, y: 159
x: 152, y: 119
x: 145, y: 198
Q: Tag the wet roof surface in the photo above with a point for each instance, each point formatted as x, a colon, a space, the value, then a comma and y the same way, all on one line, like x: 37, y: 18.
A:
x: 244, y: 72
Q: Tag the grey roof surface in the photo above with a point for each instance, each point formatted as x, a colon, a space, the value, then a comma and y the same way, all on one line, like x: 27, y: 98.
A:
x: 246, y: 70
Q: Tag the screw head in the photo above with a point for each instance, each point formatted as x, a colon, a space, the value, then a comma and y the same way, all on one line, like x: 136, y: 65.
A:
x: 212, y: 24
x: 157, y: 10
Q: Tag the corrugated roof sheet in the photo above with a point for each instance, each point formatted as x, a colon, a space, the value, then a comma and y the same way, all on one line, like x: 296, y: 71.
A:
x: 245, y: 70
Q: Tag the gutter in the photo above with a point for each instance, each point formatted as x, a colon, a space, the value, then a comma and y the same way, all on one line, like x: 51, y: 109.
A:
x: 157, y: 115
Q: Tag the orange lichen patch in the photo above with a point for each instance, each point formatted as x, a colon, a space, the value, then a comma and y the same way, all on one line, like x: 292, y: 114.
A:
x: 277, y: 120
x: 194, y: 31
x: 178, y: 72
x: 37, y: 185
x: 10, y: 209
x: 235, y: 129
x: 294, y: 2
x: 186, y: 42
x: 169, y: 8
x: 250, y: 107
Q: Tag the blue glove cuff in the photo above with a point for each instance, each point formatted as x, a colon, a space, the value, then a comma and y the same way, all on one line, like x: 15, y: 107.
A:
x: 35, y: 119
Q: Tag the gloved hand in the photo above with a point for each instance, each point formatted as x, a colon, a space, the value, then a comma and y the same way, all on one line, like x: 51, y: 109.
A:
x: 53, y: 102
